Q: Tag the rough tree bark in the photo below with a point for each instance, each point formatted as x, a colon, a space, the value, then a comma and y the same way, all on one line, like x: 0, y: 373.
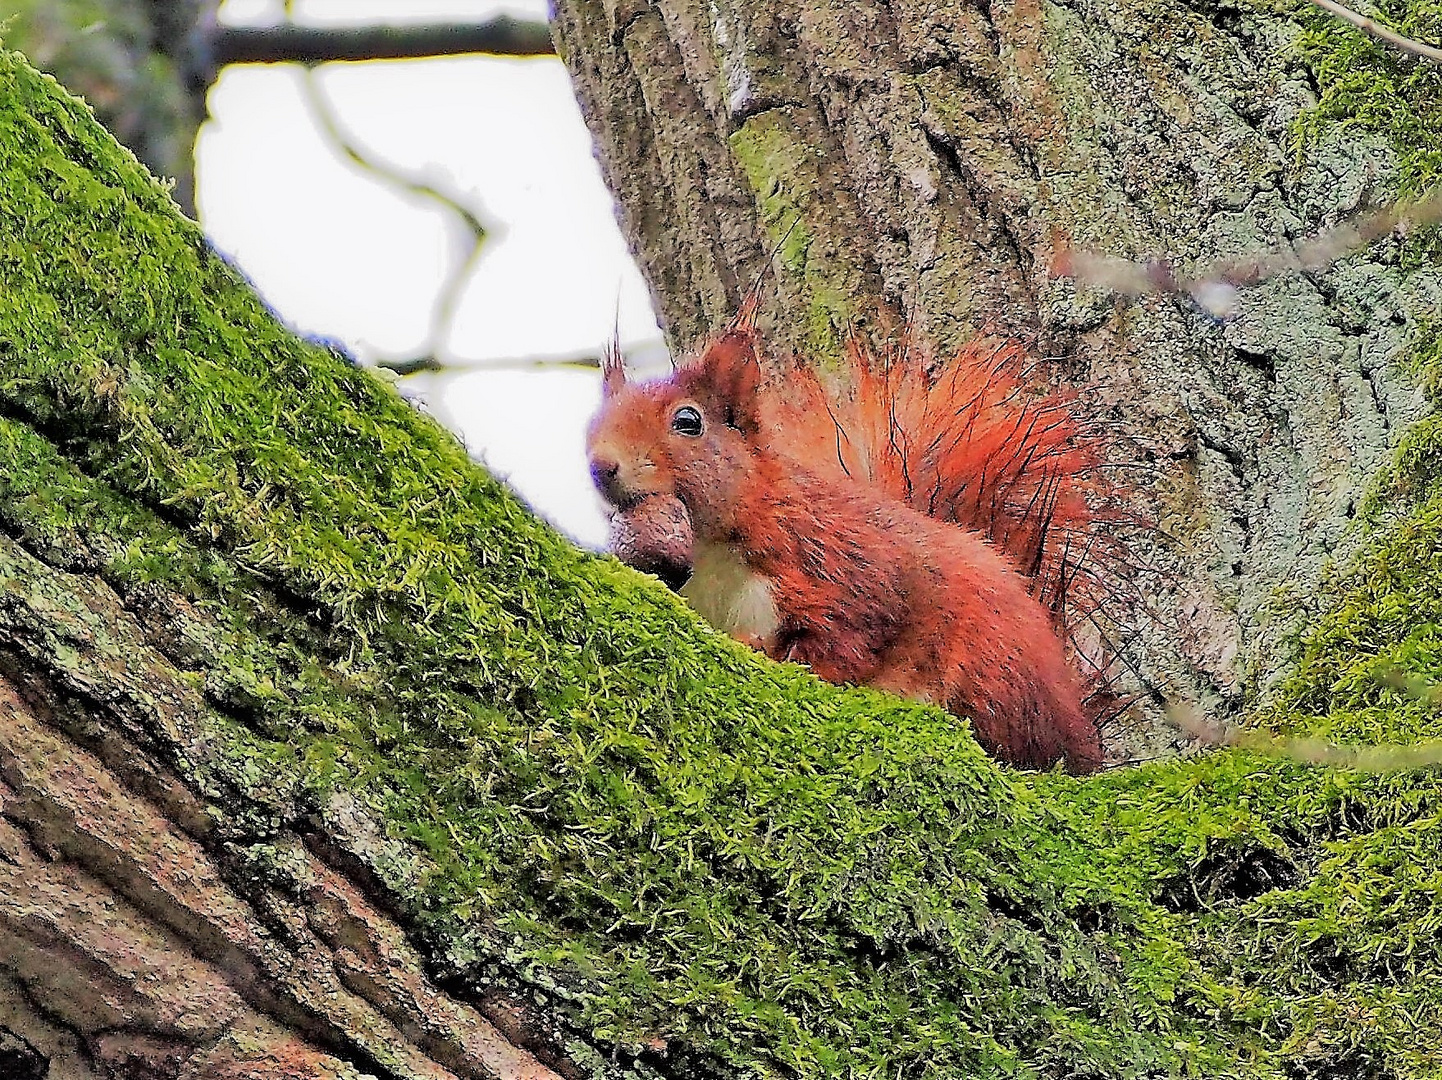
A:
x: 922, y: 157
x: 319, y: 756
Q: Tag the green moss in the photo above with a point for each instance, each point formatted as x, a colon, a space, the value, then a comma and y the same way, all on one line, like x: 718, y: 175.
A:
x: 114, y: 54
x: 587, y: 794
x: 1367, y: 85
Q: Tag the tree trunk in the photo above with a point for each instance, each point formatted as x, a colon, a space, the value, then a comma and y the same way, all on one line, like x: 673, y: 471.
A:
x: 923, y: 159
x: 319, y: 756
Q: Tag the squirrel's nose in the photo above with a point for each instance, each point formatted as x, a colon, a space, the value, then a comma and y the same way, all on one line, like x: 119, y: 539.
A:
x: 603, y: 474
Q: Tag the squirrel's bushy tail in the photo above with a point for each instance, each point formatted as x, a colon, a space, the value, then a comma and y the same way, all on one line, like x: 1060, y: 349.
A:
x: 969, y: 441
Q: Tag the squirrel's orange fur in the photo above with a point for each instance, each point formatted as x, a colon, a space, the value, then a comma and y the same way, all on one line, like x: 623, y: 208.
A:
x: 967, y: 444
x: 824, y: 536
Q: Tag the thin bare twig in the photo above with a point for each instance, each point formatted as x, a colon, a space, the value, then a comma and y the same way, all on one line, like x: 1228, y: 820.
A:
x: 289, y: 43
x: 1216, y: 290
x: 1380, y: 32
x: 444, y: 308
x: 1363, y: 758
x: 414, y: 365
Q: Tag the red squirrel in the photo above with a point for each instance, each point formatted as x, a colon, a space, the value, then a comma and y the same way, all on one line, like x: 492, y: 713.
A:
x: 869, y: 560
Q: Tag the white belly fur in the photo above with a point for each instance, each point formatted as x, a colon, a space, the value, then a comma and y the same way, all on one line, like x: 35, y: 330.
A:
x: 729, y: 594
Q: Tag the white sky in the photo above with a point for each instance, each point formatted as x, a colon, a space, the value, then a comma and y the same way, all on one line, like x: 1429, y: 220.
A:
x: 341, y: 254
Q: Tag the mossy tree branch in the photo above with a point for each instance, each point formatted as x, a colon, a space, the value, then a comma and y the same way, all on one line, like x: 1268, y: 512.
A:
x: 130, y: 59
x: 319, y: 755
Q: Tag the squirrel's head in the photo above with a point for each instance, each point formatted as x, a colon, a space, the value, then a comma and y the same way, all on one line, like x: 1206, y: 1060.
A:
x: 690, y: 435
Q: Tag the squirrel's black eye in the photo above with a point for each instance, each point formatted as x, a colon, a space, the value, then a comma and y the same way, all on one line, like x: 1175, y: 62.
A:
x: 687, y: 421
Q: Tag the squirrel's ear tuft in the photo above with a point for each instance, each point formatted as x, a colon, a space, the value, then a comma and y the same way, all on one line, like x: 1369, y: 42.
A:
x: 731, y: 369
x: 613, y: 369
